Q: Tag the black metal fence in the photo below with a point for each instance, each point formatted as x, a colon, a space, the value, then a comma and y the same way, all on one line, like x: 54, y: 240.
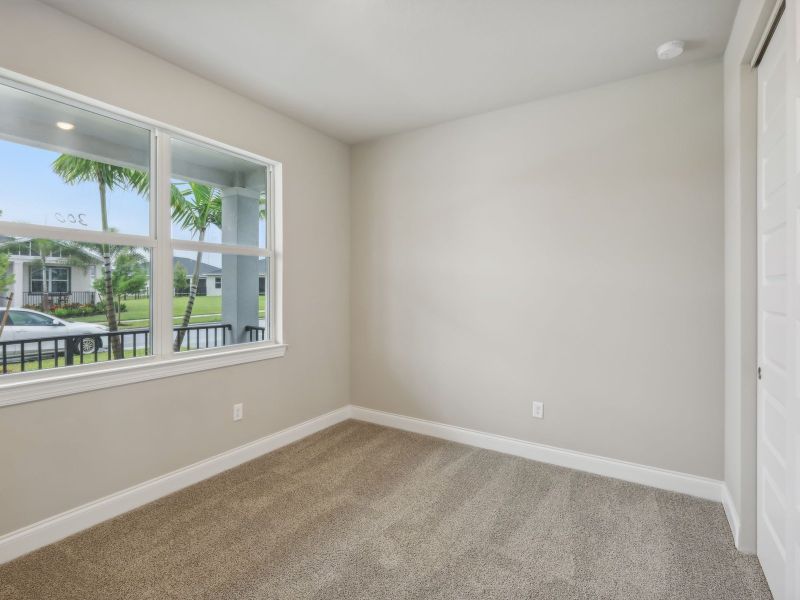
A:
x: 66, y: 350
x: 255, y: 334
x: 58, y: 298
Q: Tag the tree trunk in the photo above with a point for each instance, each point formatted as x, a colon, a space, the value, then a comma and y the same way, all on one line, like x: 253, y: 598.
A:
x: 45, y: 290
x: 111, y: 315
x: 118, y: 308
x: 187, y: 314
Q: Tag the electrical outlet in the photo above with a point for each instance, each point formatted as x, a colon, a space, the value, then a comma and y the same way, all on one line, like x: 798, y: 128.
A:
x: 238, y: 411
x: 538, y: 410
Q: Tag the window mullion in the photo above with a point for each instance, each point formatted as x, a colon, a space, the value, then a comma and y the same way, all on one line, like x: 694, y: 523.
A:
x: 276, y: 253
x: 219, y: 248
x: 161, y: 303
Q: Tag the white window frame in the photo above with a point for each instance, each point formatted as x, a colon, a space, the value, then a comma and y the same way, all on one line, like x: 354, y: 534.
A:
x: 163, y: 362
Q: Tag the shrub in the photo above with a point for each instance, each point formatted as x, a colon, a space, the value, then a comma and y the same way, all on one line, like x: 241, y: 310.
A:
x: 77, y: 310
x: 101, y: 307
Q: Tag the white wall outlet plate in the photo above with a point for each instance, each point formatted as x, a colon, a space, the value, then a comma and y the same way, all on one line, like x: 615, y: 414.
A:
x: 238, y: 411
x: 538, y: 410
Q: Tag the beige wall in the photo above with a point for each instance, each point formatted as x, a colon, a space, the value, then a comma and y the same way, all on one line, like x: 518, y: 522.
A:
x: 57, y: 454
x: 568, y: 250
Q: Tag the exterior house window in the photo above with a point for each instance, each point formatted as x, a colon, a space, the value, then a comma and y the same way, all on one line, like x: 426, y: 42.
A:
x: 134, y: 249
x: 37, y: 281
x: 53, y: 280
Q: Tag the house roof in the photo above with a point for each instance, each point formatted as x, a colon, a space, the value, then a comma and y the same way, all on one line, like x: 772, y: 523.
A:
x: 88, y: 252
x: 210, y: 270
x: 188, y: 264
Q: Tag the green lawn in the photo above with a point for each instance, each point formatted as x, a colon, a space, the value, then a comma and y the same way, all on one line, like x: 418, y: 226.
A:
x: 207, y: 309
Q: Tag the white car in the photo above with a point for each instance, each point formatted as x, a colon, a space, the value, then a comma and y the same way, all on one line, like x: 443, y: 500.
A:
x: 29, y: 326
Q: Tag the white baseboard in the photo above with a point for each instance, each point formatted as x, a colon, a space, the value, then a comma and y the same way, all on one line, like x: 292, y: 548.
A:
x: 693, y: 485
x: 731, y: 513
x: 52, y: 529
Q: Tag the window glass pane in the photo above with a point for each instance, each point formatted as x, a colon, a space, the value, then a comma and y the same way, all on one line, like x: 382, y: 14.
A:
x: 37, y: 279
x: 59, y: 287
x: 62, y: 166
x: 217, y: 197
x: 58, y: 279
x: 208, y: 316
x: 73, y: 312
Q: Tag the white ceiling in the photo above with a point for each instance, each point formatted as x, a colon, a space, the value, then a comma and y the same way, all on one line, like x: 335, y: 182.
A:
x: 359, y: 69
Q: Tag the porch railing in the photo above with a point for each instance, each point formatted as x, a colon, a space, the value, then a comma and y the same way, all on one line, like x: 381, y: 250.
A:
x: 255, y: 334
x: 205, y: 336
x: 58, y: 298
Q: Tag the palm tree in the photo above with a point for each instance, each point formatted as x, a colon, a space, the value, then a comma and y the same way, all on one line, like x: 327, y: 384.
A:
x: 195, y: 208
x: 73, y: 170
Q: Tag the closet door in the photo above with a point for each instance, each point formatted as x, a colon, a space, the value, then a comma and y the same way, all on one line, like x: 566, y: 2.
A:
x: 778, y: 200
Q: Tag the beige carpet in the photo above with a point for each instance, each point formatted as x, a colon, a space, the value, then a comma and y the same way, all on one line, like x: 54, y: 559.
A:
x: 364, y: 512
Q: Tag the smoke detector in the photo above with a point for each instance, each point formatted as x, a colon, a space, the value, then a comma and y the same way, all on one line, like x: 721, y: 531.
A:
x: 670, y: 50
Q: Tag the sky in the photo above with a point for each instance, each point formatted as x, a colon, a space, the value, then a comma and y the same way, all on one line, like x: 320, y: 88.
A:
x: 30, y: 192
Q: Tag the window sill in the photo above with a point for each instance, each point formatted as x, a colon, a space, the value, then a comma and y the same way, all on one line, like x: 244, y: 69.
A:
x: 51, y: 384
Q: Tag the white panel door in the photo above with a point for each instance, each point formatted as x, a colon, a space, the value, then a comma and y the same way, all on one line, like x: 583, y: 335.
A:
x: 792, y: 411
x: 779, y: 310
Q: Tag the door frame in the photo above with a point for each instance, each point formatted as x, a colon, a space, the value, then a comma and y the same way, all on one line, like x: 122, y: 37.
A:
x: 740, y: 95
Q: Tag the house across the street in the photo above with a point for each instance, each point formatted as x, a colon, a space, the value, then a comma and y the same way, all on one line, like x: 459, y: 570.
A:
x: 210, y: 276
x: 68, y: 283
x: 210, y: 281
x: 63, y: 281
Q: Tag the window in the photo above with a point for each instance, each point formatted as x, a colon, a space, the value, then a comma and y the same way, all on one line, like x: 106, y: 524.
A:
x: 54, y: 280
x: 220, y: 217
x: 37, y: 281
x: 122, y: 248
